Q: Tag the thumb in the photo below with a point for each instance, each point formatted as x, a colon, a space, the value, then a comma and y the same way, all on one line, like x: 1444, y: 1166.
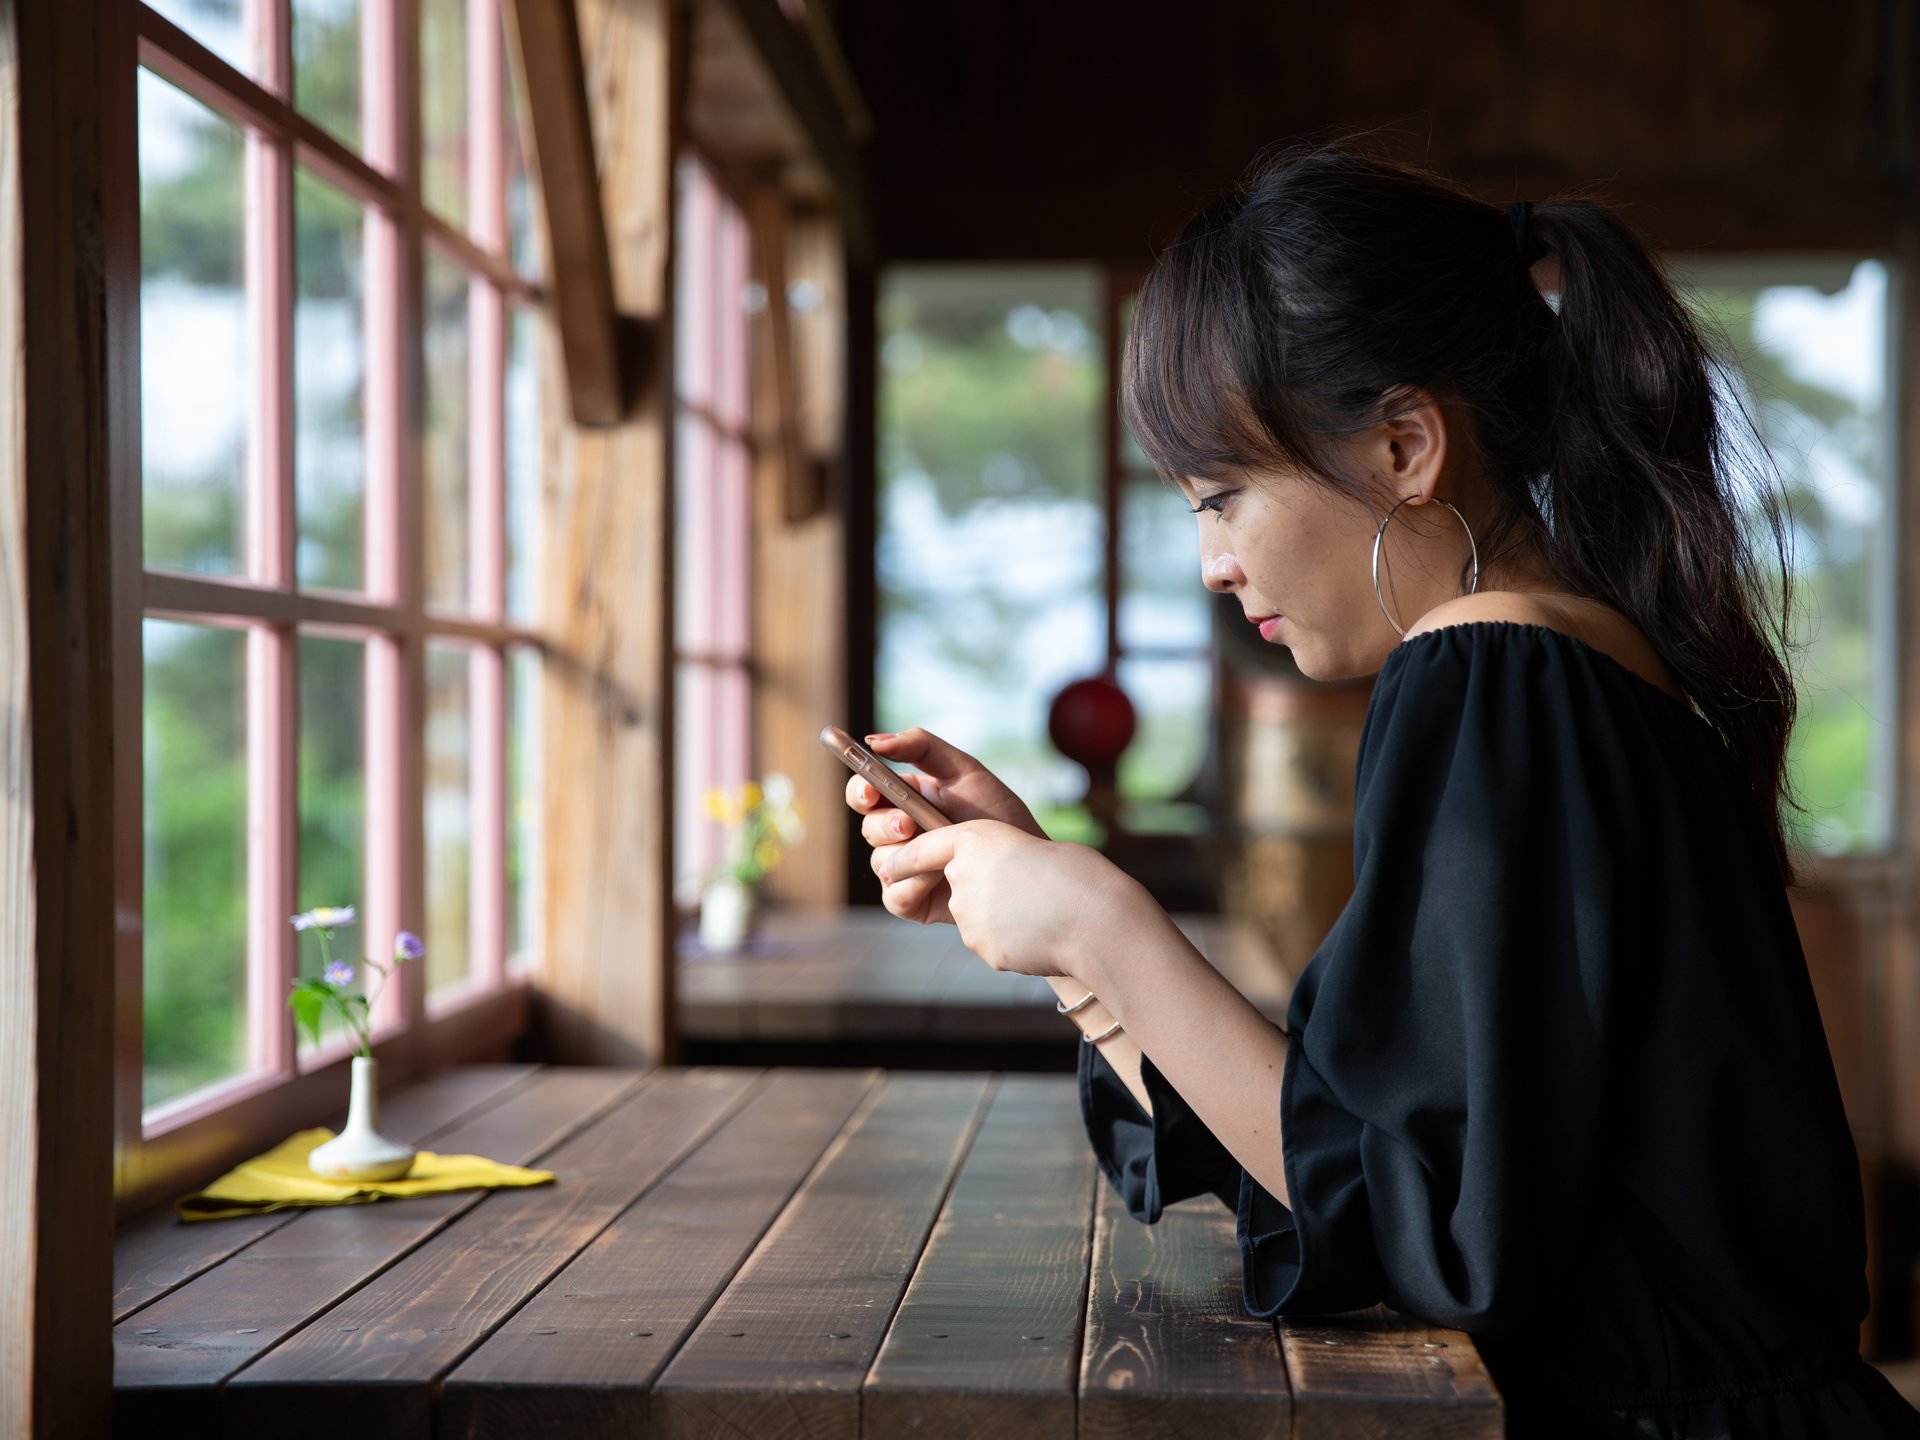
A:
x: 923, y: 748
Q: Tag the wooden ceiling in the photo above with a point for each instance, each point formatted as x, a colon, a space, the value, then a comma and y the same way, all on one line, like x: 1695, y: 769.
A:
x: 1016, y: 129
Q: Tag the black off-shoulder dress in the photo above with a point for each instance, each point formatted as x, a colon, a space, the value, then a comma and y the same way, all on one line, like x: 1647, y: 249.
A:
x: 1556, y: 1076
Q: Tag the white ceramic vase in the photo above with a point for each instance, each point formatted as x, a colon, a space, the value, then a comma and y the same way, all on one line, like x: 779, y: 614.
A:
x: 360, y: 1151
x: 726, y: 915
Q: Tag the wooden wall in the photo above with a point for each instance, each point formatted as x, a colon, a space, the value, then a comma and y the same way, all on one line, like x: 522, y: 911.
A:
x: 56, y: 751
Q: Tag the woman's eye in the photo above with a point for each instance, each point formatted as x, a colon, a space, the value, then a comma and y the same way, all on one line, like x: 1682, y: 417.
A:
x: 1215, y: 503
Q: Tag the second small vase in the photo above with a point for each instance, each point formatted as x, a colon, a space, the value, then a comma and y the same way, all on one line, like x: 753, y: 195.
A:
x: 726, y: 915
x: 360, y: 1151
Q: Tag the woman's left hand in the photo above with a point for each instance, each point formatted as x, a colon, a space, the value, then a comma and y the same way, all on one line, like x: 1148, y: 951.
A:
x: 1022, y: 904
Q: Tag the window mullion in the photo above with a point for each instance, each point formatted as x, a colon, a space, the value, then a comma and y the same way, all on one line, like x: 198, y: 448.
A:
x: 487, y: 497
x: 272, y: 738
x: 390, y: 122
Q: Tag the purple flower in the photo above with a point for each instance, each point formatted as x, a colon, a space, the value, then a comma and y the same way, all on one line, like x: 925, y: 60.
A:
x: 408, y: 946
x: 339, y: 973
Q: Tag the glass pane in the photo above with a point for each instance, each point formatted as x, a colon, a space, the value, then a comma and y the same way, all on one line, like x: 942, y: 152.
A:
x: 989, y: 549
x: 332, y: 786
x: 449, y: 817
x: 196, y: 363
x: 329, y: 386
x: 1814, y: 367
x: 1163, y: 601
x: 1173, y: 708
x: 524, y: 464
x: 445, y: 457
x: 194, y: 746
x: 326, y: 64
x: 523, y: 196
x: 524, y: 804
x: 220, y: 25
x: 443, y: 108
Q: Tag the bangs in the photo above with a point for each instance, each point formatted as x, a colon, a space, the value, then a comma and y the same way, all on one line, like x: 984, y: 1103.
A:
x: 1190, y: 352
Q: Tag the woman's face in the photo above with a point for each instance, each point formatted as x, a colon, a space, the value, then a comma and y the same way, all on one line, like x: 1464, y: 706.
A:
x: 1290, y: 547
x: 1300, y: 552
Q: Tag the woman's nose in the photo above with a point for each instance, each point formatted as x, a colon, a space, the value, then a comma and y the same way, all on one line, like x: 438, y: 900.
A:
x: 1219, y: 570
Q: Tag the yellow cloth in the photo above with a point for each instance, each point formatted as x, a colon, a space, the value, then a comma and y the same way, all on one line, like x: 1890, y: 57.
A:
x: 280, y: 1179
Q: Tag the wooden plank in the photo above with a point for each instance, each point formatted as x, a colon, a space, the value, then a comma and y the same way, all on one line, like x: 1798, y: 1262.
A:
x: 158, y: 1252
x: 171, y: 1357
x: 372, y: 1363
x: 1171, y: 1351
x: 1373, y: 1372
x: 987, y: 1340
x: 57, y: 994
x: 546, y: 47
x: 786, y: 1346
x: 581, y: 1357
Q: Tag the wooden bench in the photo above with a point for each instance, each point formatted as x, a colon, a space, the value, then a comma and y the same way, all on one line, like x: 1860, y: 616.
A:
x: 858, y: 985
x: 744, y: 1252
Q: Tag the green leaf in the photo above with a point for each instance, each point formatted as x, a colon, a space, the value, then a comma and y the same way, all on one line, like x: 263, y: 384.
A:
x: 307, y: 1003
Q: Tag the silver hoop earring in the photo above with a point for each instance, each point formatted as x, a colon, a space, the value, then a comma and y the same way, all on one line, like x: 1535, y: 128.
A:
x: 1382, y: 530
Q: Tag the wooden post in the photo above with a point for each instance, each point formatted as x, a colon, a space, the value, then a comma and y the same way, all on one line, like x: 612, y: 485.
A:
x: 606, y: 994
x: 56, y: 752
x: 799, y: 543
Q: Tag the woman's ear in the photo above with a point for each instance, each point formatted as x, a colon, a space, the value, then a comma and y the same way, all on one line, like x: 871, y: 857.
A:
x: 1412, y: 447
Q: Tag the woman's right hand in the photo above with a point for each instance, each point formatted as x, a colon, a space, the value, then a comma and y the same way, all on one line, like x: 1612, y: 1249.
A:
x: 958, y: 784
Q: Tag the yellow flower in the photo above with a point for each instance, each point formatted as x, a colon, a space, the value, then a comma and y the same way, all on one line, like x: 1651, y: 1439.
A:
x: 767, y: 854
x: 717, y: 804
x: 750, y: 795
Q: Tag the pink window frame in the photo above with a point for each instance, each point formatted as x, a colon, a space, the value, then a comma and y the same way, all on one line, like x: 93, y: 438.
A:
x: 714, y: 460
x: 268, y: 603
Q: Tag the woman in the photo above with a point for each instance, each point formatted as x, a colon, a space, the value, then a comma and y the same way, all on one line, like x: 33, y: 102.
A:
x: 1555, y: 1076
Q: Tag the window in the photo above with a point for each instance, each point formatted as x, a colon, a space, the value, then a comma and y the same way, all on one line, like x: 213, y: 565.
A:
x: 340, y: 566
x: 1813, y: 340
x: 713, y: 472
x: 1002, y: 476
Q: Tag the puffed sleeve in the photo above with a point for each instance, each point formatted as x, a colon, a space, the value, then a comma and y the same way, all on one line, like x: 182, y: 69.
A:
x: 1446, y: 1080
x: 1151, y: 1161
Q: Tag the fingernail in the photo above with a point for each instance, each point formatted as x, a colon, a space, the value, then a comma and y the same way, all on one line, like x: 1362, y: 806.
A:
x: 883, y: 735
x: 900, y: 825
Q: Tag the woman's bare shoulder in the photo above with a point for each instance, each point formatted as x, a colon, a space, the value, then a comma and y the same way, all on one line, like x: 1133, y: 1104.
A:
x: 1600, y: 626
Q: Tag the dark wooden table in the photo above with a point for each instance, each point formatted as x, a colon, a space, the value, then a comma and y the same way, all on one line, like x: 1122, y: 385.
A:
x: 760, y: 1253
x: 855, y: 980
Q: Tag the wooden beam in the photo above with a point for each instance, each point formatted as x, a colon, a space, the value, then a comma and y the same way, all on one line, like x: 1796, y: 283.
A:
x: 56, y: 735
x: 802, y: 483
x: 795, y: 65
x: 546, y: 45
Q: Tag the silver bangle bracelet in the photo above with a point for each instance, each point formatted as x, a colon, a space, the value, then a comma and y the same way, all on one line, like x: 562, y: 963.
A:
x: 1090, y: 1039
x: 1069, y: 1009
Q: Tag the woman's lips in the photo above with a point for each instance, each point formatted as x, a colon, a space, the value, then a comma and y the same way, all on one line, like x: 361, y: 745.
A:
x: 1269, y: 625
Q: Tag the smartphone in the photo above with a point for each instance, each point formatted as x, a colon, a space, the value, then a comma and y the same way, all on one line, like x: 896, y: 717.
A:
x: 882, y: 776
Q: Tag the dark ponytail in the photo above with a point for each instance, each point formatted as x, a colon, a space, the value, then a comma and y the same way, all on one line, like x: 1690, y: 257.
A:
x: 1308, y: 302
